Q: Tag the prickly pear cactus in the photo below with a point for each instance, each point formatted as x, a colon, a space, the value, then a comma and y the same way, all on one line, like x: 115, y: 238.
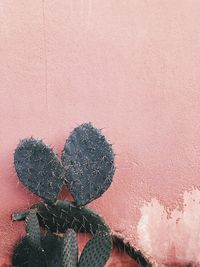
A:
x: 97, y: 251
x: 38, y: 249
x: 87, y: 167
x: 33, y: 229
x: 39, y: 168
x: 89, y: 162
x: 51, y: 244
x: 69, y: 251
x: 36, y: 256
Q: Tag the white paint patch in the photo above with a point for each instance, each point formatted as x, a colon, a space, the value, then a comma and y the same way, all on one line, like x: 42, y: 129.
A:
x: 174, y: 239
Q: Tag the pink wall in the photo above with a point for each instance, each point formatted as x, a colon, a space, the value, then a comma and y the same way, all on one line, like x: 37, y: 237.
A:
x: 131, y: 67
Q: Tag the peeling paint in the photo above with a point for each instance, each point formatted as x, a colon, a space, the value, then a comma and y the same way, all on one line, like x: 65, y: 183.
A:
x: 175, y: 239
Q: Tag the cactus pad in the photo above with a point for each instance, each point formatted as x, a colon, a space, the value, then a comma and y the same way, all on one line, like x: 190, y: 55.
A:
x: 36, y: 256
x: 52, y: 247
x: 97, y: 251
x: 89, y: 162
x: 69, y: 252
x: 33, y: 229
x: 39, y: 168
x: 62, y: 215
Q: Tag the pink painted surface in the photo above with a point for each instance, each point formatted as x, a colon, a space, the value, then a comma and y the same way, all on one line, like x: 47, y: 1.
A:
x: 131, y: 67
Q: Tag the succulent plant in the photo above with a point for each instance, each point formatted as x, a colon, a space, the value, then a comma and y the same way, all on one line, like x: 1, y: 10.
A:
x: 89, y: 162
x: 39, y: 168
x: 36, y: 247
x: 51, y: 244
x: 87, y: 168
x: 97, y: 251
x: 69, y: 249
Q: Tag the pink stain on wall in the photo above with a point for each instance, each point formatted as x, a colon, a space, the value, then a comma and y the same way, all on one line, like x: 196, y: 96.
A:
x: 131, y: 67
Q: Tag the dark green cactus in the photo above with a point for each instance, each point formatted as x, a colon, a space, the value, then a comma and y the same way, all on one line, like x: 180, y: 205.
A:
x: 39, y: 168
x: 51, y: 245
x: 69, y: 252
x: 36, y: 258
x: 89, y: 162
x: 97, y: 251
x: 37, y: 255
x: 33, y: 229
x: 87, y: 167
x: 62, y: 215
x: 137, y: 255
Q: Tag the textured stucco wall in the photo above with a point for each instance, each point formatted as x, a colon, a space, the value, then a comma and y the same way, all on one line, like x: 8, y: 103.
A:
x: 131, y: 67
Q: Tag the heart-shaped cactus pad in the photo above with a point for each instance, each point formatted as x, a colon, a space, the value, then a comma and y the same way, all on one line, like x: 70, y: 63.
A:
x: 89, y: 162
x: 39, y: 168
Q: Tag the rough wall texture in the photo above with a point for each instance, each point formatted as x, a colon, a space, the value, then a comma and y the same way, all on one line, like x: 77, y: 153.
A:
x: 131, y: 67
